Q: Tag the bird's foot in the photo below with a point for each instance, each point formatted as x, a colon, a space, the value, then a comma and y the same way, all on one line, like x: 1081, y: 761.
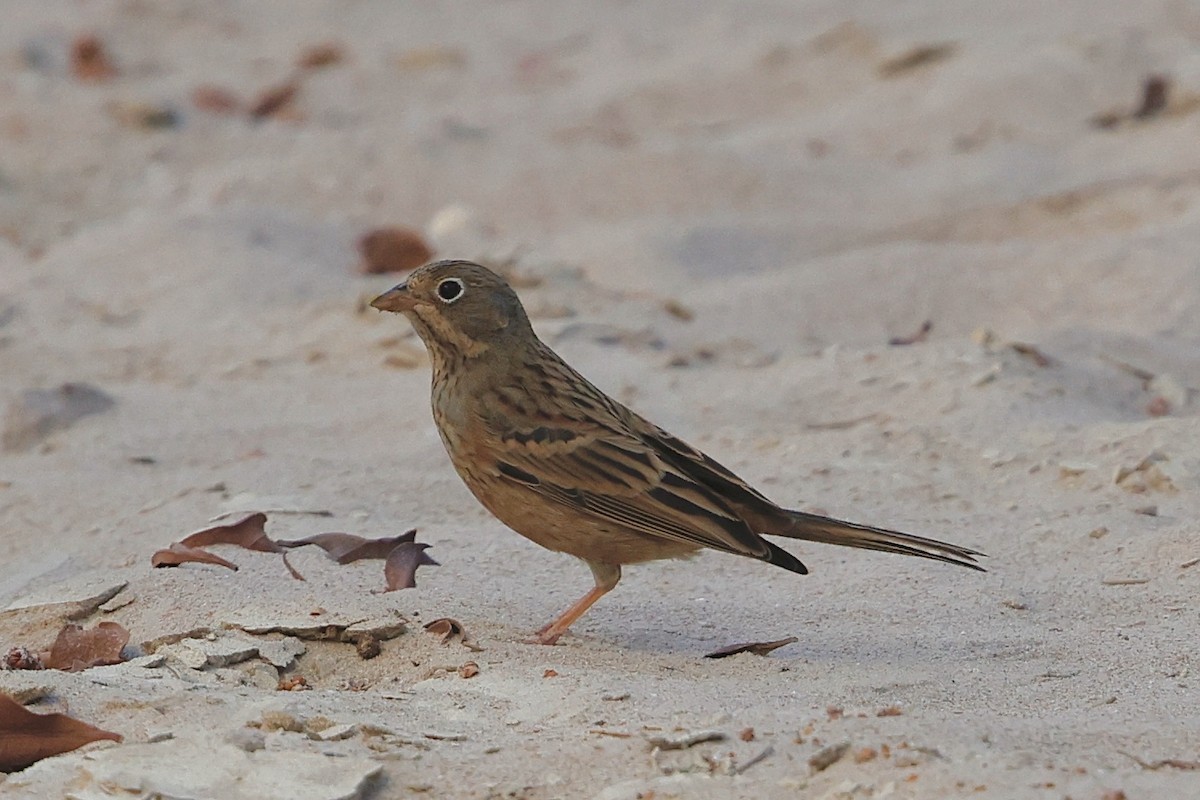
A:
x: 548, y: 635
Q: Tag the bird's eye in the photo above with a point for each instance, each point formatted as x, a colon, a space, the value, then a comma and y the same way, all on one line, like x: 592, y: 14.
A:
x: 450, y: 290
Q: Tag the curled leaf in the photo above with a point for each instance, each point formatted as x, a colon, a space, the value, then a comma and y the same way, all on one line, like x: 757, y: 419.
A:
x: 448, y: 629
x: 757, y: 648
x: 345, y: 548
x: 249, y: 532
x: 76, y: 649
x: 400, y: 569
x: 179, y: 553
x: 26, y: 737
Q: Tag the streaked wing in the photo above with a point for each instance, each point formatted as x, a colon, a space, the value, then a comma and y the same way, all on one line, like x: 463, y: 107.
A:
x: 699, y: 466
x: 615, y: 477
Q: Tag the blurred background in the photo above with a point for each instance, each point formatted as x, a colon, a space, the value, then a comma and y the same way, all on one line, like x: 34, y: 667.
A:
x: 929, y: 145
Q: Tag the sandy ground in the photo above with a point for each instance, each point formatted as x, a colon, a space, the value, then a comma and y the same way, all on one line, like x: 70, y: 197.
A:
x: 788, y: 173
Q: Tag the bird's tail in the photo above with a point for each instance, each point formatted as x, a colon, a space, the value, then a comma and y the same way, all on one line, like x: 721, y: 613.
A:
x: 815, y: 528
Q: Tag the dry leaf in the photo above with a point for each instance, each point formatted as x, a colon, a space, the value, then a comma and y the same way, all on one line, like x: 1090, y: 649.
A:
x: 76, y: 649
x: 321, y: 55
x: 26, y: 737
x: 274, y: 100
x: 757, y: 648
x: 1154, y: 96
x: 345, y: 548
x: 392, y: 249
x: 249, y: 532
x: 179, y: 553
x: 921, y: 335
x: 215, y: 99
x: 400, y: 569
x: 1032, y: 353
x: 90, y: 61
x: 916, y: 57
x: 448, y: 629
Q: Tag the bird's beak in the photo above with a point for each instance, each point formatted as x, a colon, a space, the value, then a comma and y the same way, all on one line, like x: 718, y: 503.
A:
x: 397, y: 299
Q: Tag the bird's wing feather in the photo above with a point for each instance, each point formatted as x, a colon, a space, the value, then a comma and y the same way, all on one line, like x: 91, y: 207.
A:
x: 601, y: 470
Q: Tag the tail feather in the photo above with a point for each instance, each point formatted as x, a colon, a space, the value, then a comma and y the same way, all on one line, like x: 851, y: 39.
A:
x: 815, y: 528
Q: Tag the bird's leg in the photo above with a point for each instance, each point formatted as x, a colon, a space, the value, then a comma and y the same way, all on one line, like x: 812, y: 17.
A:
x: 607, y: 576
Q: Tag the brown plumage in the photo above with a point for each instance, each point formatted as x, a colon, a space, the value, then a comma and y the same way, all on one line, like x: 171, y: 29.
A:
x: 565, y: 465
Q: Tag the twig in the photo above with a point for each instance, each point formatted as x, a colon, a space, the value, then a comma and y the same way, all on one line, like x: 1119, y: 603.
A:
x: 1173, y: 763
x: 842, y: 424
x: 767, y: 752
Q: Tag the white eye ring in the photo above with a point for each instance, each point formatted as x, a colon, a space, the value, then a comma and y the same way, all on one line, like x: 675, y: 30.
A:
x: 450, y: 289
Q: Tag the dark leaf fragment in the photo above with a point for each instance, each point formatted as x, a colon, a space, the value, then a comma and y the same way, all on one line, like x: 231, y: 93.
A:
x: 448, y: 629
x: 345, y: 548
x: 757, y: 648
x: 26, y: 737
x: 400, y: 569
x: 179, y: 553
x: 921, y: 335
x: 249, y: 532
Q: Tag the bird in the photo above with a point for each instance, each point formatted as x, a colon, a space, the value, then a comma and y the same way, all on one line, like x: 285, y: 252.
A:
x: 563, y: 464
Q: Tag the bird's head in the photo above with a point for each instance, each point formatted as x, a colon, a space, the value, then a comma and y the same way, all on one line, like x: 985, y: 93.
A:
x: 458, y: 307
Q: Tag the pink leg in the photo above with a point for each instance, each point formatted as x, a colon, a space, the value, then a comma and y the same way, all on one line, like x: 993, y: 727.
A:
x: 607, y: 576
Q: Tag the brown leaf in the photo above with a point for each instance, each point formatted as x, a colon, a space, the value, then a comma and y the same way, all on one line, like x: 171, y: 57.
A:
x: 321, y: 55
x: 916, y: 57
x: 400, y: 569
x: 1154, y: 96
x: 249, y: 532
x: 179, y: 553
x: 920, y: 335
x: 1032, y: 353
x: 214, y: 99
x: 90, y: 61
x: 76, y: 649
x: 26, y: 737
x: 345, y: 548
x: 394, y: 249
x: 274, y: 100
x: 758, y: 648
x: 448, y: 629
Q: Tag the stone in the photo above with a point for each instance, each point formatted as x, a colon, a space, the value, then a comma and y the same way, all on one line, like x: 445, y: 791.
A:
x: 189, y: 768
x: 331, y: 626
x: 334, y: 733
x: 281, y: 653
x: 85, y: 593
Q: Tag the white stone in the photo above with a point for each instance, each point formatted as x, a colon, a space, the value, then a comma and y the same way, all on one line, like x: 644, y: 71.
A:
x: 191, y: 769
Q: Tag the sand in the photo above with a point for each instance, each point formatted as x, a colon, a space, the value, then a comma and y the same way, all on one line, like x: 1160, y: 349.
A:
x: 807, y: 180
